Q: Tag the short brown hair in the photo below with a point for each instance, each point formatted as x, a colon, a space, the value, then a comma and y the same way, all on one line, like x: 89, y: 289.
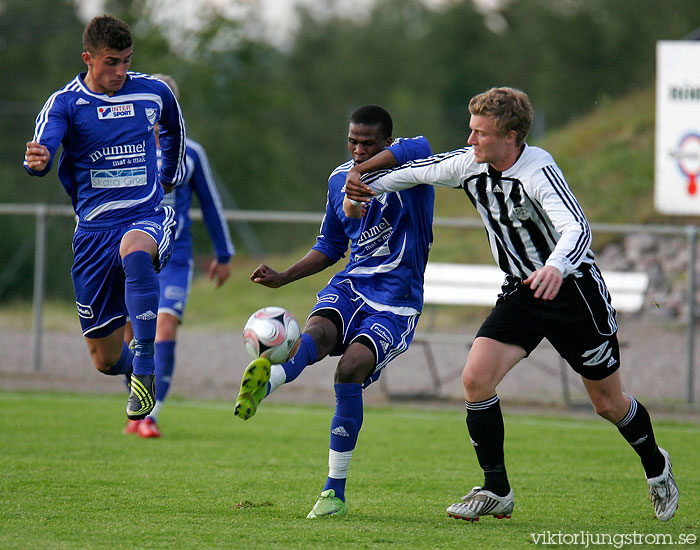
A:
x: 106, y: 32
x: 510, y: 108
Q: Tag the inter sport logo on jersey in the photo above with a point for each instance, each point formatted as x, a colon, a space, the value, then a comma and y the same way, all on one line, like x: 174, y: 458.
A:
x: 115, y: 111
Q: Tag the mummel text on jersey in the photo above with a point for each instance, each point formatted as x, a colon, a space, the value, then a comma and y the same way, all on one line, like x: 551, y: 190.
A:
x: 387, y: 261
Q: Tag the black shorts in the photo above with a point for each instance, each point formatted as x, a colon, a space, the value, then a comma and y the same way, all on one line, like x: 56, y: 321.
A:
x: 580, y: 322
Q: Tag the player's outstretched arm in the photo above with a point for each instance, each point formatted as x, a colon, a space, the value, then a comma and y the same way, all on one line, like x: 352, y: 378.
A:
x: 266, y: 276
x: 312, y: 263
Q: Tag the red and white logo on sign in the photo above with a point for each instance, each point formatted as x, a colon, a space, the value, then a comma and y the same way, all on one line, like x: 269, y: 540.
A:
x: 688, y: 157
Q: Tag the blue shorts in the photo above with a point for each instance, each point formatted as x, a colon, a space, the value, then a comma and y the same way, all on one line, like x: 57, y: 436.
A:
x: 175, y: 280
x: 98, y: 276
x: 389, y: 334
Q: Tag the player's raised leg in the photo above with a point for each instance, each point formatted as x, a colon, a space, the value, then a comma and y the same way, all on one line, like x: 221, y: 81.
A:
x: 254, y: 388
x: 318, y: 339
x: 141, y: 293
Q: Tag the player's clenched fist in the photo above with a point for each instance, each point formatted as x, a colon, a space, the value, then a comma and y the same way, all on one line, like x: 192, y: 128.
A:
x: 266, y: 276
x: 356, y: 189
x: 37, y: 156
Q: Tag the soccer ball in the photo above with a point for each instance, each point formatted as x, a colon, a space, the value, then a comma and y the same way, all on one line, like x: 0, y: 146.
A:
x: 272, y: 332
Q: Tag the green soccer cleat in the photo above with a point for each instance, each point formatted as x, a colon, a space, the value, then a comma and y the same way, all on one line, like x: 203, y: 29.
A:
x: 142, y: 398
x: 328, y: 505
x: 253, y: 388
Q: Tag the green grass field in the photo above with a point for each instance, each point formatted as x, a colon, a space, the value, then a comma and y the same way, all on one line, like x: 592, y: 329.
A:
x: 71, y: 480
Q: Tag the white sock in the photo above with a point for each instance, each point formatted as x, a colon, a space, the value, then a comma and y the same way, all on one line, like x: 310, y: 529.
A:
x: 156, y: 410
x: 277, y: 377
x: 338, y: 463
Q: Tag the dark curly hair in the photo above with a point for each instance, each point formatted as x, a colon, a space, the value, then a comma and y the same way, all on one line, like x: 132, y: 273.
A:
x: 373, y: 115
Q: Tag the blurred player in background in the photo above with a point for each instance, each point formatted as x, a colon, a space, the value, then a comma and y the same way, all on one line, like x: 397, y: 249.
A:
x: 176, y: 277
x: 368, y: 312
x: 553, y: 289
x: 105, y: 119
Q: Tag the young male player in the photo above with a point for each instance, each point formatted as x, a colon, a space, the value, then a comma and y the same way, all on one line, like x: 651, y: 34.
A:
x: 368, y: 312
x: 541, y: 239
x: 176, y: 277
x: 104, y: 120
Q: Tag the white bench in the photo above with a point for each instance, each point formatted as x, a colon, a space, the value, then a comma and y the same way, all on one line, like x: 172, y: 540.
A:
x: 479, y: 285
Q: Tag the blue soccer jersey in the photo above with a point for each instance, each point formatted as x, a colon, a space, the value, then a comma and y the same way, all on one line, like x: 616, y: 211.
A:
x: 176, y: 277
x: 108, y: 163
x: 389, y: 245
x: 200, y: 181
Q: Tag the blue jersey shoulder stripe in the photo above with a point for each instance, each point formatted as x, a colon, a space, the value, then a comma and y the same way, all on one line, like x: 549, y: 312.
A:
x: 345, y: 167
x: 43, y: 115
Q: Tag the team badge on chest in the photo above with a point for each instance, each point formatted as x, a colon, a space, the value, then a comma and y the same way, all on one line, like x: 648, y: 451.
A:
x: 521, y: 213
x: 151, y: 115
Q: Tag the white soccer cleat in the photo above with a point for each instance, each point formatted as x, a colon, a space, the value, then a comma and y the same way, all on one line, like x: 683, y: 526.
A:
x: 482, y: 503
x: 663, y: 491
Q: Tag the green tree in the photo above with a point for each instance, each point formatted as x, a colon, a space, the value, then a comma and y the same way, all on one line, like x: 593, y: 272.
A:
x: 571, y: 55
x: 40, y: 46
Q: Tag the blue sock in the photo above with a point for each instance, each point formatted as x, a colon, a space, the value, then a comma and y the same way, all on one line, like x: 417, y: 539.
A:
x: 345, y: 428
x: 123, y: 366
x: 165, y: 365
x: 141, y: 293
x: 306, y: 355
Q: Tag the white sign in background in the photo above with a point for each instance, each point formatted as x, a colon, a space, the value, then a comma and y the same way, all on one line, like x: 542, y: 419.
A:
x: 677, y: 162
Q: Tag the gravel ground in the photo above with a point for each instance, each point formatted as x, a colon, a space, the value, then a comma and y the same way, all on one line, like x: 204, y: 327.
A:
x: 210, y: 366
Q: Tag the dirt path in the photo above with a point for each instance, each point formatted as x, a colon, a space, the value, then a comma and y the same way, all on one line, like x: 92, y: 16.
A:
x: 210, y: 365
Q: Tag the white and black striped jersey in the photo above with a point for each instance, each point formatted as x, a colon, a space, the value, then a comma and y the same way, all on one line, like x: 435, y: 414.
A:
x: 531, y: 216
